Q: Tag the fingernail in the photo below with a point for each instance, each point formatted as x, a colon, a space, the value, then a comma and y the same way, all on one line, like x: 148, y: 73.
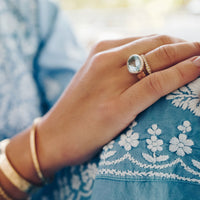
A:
x: 196, y: 61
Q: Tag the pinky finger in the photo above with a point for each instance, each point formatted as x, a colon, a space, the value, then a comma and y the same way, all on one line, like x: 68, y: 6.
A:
x: 147, y: 91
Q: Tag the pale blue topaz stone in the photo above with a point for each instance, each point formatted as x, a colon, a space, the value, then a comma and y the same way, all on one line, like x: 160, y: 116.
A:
x: 135, y: 64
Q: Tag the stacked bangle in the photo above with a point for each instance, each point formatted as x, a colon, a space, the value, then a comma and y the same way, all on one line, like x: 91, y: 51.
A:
x: 12, y: 175
x: 7, y: 169
x: 4, y: 195
x: 34, y: 152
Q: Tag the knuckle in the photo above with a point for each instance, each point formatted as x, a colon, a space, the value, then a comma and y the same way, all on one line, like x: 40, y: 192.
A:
x: 155, y: 83
x: 165, y: 39
x: 180, y: 75
x: 167, y: 52
x: 102, y: 59
x: 103, y: 56
x: 197, y: 45
x: 97, y: 60
x: 100, y: 46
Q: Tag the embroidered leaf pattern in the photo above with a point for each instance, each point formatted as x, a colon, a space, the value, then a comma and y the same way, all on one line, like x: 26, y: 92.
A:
x: 108, y: 154
x: 162, y: 158
x: 187, y: 97
x: 196, y: 164
x: 148, y: 157
x: 155, y: 159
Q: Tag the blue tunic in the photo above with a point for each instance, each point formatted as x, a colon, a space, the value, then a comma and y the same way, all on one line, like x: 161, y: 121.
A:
x: 156, y: 157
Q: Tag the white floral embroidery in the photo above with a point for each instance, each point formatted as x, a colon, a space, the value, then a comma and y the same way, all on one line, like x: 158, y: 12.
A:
x: 107, y: 151
x: 181, y: 145
x: 76, y: 183
x: 89, y: 175
x: 147, y: 174
x: 196, y: 163
x: 154, y: 144
x: 129, y: 140
x: 187, y: 97
x: 18, y: 87
x: 129, y: 157
x: 90, y: 172
x: 186, y: 127
x: 133, y: 124
x: 80, y: 184
x: 109, y: 146
x: 154, y: 130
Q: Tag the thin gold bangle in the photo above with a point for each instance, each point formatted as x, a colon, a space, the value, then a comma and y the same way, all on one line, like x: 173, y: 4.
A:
x: 7, y: 169
x: 4, y: 195
x: 33, y: 150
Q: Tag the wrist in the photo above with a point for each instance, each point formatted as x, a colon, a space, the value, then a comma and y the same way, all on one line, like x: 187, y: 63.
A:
x: 15, y: 168
x: 47, y: 150
x: 19, y: 155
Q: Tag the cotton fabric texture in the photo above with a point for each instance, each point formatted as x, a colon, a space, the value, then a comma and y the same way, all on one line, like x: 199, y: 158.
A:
x: 156, y: 157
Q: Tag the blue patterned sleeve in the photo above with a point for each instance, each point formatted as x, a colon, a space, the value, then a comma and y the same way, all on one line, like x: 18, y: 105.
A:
x: 59, y: 55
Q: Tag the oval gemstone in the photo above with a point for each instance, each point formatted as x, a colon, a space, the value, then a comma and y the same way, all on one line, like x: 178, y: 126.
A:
x: 135, y: 64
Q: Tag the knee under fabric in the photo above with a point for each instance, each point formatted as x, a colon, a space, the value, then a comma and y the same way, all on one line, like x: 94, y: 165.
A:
x: 157, y: 156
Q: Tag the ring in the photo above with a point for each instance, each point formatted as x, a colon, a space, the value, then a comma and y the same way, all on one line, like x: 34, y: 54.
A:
x: 148, y: 68
x: 138, y: 65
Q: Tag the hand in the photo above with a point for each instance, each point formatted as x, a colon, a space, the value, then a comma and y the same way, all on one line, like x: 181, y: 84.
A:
x: 103, y: 98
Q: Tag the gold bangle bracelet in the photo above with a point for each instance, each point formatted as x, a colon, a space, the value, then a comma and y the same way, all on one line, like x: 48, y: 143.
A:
x: 34, y: 152
x: 4, y: 195
x: 7, y: 169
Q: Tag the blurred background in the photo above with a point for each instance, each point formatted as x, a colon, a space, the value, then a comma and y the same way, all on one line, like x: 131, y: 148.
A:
x: 95, y: 20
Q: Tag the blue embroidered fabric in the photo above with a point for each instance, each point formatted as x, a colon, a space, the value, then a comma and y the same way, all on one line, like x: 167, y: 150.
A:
x: 156, y: 157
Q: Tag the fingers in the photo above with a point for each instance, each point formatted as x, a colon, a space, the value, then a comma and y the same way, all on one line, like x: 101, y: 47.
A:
x: 147, y: 91
x: 109, y: 44
x: 168, y: 55
x: 118, y: 56
x: 163, y: 57
x: 143, y: 46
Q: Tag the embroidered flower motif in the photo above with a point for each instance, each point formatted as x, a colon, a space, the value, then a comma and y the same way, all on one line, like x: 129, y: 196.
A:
x: 107, y: 151
x: 181, y: 145
x: 154, y: 130
x: 133, y: 124
x: 154, y: 144
x: 75, y: 181
x: 186, y: 127
x: 90, y: 172
x: 89, y: 175
x: 109, y: 146
x: 129, y: 140
x: 81, y: 182
x: 187, y: 97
